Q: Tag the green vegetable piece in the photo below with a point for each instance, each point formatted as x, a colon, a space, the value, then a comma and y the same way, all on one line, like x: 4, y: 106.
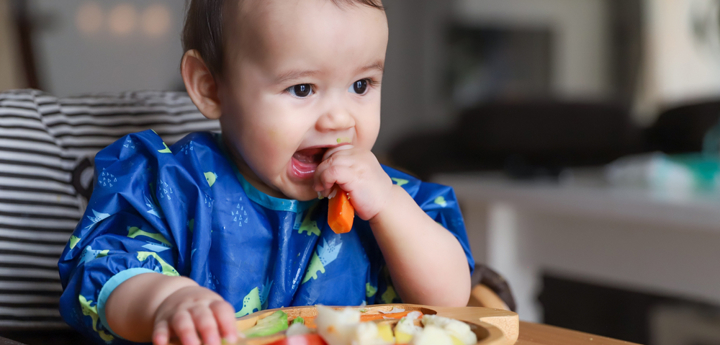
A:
x: 363, y: 310
x: 276, y: 322
x: 299, y: 319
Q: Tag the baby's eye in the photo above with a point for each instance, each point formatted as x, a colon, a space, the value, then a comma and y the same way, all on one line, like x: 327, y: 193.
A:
x: 300, y: 90
x: 359, y: 87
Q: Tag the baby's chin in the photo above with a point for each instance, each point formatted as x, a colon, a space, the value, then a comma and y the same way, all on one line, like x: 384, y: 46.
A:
x: 300, y: 192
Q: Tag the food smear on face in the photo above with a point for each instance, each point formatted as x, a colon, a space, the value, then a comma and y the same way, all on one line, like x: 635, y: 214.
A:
x: 340, y: 212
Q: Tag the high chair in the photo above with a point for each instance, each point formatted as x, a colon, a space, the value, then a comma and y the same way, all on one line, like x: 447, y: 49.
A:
x: 490, y: 290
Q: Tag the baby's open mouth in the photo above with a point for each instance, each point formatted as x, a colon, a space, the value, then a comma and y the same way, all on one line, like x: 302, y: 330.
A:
x: 305, y: 161
x: 310, y: 156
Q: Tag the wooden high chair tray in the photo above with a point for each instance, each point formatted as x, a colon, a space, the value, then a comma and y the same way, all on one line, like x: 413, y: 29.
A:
x: 492, y: 326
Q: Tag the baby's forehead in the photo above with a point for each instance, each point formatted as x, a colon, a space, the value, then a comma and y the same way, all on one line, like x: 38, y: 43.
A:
x: 265, y: 24
x: 243, y: 11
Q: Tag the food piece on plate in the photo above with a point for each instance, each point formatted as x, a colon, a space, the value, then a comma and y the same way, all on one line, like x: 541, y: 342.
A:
x: 386, y: 334
x: 297, y: 328
x: 456, y: 328
x: 394, y: 310
x: 414, y: 315
x: 276, y: 322
x: 340, y: 212
x: 368, y: 333
x: 407, y: 325
x: 456, y: 341
x: 343, y: 327
x: 298, y: 319
x: 432, y: 335
x: 402, y: 338
x: 307, y: 339
x: 386, y: 316
x: 406, y: 328
x: 337, y: 327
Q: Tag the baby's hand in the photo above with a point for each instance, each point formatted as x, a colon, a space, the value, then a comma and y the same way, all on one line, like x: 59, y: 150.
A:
x: 191, y: 312
x: 357, y: 172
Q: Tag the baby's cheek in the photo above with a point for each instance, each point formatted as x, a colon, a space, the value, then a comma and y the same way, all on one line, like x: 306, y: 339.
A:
x: 367, y: 134
x: 275, y: 147
x: 279, y: 140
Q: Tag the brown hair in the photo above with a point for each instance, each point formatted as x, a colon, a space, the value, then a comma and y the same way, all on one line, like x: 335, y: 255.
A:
x: 203, y: 29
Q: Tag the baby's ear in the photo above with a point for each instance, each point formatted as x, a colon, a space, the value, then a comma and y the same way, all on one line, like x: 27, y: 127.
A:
x: 200, y: 84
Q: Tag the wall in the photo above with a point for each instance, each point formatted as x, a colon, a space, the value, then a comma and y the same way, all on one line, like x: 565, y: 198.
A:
x: 411, y: 99
x: 581, y: 48
x: 102, y: 59
x: 72, y: 62
x: 413, y: 95
x: 10, y: 67
x: 682, y: 60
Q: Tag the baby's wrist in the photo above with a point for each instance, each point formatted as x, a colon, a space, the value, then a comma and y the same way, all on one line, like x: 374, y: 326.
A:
x: 175, y: 284
x: 171, y: 288
x: 393, y: 199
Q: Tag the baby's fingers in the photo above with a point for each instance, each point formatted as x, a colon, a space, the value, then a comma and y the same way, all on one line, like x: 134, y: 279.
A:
x: 182, y: 324
x: 340, y: 159
x: 161, y: 333
x: 225, y: 316
x: 206, y: 325
x: 335, y: 150
x: 333, y: 175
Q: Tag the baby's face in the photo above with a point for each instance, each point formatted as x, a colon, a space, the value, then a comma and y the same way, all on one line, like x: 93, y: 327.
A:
x: 300, y: 78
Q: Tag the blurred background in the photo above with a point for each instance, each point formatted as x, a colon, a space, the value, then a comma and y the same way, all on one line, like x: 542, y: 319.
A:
x: 581, y: 136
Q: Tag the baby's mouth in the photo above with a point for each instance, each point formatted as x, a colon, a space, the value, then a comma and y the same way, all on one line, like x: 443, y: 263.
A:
x: 306, y: 161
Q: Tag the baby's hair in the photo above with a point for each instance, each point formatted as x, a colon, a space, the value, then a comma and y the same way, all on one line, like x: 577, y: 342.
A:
x: 203, y: 29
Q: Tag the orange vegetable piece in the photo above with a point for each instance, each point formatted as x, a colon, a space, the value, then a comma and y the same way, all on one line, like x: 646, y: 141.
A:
x: 340, y: 212
x: 397, y: 316
x: 310, y: 322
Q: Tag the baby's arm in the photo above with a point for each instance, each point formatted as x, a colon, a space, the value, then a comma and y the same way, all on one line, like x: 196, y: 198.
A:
x: 155, y: 306
x: 426, y: 262
x: 110, y: 269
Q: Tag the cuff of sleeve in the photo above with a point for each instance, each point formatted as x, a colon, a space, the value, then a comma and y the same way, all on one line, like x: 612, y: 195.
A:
x: 110, y: 286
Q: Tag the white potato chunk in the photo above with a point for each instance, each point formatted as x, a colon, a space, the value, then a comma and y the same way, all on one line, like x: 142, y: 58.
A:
x: 456, y: 328
x: 432, y: 335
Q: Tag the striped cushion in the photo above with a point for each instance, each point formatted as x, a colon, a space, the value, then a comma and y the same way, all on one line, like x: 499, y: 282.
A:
x: 42, y: 141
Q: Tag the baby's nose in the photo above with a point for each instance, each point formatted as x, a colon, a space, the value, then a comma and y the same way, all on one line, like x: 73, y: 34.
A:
x: 335, y: 120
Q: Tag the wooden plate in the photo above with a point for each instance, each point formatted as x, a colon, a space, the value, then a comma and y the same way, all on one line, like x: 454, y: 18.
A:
x: 492, y: 326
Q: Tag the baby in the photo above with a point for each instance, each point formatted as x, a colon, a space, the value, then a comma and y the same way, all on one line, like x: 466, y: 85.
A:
x: 179, y: 241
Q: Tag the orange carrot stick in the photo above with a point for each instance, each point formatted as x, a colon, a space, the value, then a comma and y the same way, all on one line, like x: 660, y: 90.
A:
x: 340, y: 212
x: 370, y: 317
x: 310, y: 320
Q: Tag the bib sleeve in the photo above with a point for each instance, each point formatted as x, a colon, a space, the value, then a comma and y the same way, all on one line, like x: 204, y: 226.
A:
x: 135, y: 223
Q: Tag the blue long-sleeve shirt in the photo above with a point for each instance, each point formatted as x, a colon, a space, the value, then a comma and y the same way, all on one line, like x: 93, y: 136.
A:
x: 185, y: 210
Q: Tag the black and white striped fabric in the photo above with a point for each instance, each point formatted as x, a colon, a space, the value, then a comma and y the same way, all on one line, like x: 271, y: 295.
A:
x: 44, y: 143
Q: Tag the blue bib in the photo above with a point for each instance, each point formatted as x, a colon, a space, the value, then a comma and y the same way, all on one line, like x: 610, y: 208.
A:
x: 185, y: 210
